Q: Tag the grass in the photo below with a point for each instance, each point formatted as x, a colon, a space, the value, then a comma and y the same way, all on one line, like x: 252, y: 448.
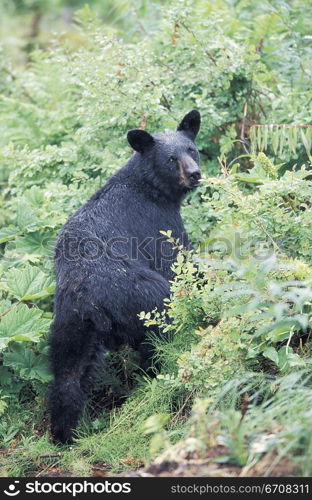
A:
x: 115, y: 437
x: 256, y: 419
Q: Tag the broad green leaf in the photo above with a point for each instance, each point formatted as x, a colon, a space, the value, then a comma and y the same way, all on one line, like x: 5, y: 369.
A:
x: 278, y: 330
x: 272, y: 354
x: 27, y: 364
x: 25, y: 217
x: 38, y: 242
x: 29, y: 283
x: 8, y: 233
x: 22, y: 323
x: 5, y: 306
x: 282, y: 357
x: 289, y: 359
x: 5, y: 376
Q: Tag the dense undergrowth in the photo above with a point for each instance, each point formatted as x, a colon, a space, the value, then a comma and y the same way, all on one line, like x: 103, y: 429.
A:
x: 234, y: 364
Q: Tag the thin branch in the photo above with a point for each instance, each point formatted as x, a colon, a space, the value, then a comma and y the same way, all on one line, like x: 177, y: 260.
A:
x: 48, y: 455
x: 174, y: 419
x: 260, y: 225
x: 242, y: 135
x: 280, y: 125
x: 24, y: 91
x: 6, y: 312
x: 166, y: 102
x: 213, y: 59
x: 223, y: 167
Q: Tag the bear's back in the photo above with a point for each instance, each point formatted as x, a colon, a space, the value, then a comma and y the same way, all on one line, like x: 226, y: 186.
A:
x: 120, y: 222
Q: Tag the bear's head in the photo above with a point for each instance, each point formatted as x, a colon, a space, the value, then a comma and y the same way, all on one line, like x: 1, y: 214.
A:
x: 171, y: 158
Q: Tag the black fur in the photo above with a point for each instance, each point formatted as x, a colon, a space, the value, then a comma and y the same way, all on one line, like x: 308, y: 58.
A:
x: 111, y: 262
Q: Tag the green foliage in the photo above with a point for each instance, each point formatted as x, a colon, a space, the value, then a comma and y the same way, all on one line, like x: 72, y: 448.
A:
x: 283, y: 140
x: 3, y: 404
x: 241, y: 306
x: 22, y: 323
x: 124, y: 441
x: 253, y: 298
x: 29, y: 283
x: 24, y: 362
x: 257, y: 421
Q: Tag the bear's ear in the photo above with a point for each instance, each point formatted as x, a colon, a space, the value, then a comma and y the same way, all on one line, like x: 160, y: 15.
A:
x: 139, y: 139
x: 190, y: 124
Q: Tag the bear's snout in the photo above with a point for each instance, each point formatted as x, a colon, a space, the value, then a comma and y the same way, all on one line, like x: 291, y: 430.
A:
x: 194, y: 178
x: 190, y: 174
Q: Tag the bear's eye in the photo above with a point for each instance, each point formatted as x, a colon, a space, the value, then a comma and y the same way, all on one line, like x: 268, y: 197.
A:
x: 172, y: 159
x: 191, y: 150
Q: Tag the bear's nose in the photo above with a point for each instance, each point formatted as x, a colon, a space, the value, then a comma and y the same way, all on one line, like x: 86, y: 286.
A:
x: 194, y: 176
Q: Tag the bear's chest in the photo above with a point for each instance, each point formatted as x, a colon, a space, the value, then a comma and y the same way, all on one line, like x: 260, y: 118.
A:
x: 154, y: 247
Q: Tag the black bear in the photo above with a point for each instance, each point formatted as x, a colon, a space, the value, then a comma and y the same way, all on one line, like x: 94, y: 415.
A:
x: 112, y: 262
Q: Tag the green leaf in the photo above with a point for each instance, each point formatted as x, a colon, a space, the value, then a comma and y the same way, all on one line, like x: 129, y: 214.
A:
x: 5, y: 305
x: 155, y: 423
x: 27, y: 364
x: 5, y: 376
x: 22, y: 323
x: 278, y: 330
x: 282, y: 357
x: 307, y: 140
x: 29, y: 283
x: 25, y: 216
x: 275, y: 139
x: 282, y: 140
x: 265, y: 137
x: 248, y: 178
x: 38, y: 242
x: 8, y: 233
x: 272, y: 354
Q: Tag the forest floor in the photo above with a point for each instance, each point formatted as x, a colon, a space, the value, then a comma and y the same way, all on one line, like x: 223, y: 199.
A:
x: 208, y: 466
